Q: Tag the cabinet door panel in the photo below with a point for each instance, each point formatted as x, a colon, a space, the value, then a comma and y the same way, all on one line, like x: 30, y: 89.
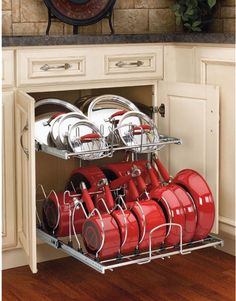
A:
x: 9, y: 235
x: 192, y: 114
x: 25, y: 176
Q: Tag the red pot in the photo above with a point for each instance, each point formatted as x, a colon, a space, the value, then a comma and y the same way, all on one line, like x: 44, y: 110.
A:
x: 100, y: 233
x: 148, y: 213
x: 91, y: 176
x: 200, y: 192
x: 174, y: 212
x: 56, y: 214
x: 128, y: 225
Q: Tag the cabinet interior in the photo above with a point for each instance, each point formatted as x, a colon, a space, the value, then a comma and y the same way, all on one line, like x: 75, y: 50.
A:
x: 53, y: 172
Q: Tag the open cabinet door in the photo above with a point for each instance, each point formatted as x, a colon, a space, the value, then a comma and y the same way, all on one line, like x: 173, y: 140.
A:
x: 25, y: 175
x: 192, y: 114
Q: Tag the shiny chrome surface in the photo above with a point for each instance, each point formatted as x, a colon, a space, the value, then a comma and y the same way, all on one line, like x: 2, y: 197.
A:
x: 44, y: 110
x: 137, y: 129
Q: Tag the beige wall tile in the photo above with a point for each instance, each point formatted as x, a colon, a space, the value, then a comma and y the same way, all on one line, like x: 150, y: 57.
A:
x: 161, y: 20
x: 33, y: 11
x: 229, y: 25
x: 6, y: 23
x: 131, y: 21
x: 37, y: 28
x: 216, y: 26
x: 228, y: 2
x: 154, y: 3
x: 15, y: 11
x: 124, y: 4
x: 228, y: 12
x: 6, y: 4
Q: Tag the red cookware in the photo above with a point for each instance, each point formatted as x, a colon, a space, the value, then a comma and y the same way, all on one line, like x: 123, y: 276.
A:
x: 57, y: 210
x: 91, y: 176
x: 128, y: 225
x: 170, y: 205
x: 179, y: 208
x: 100, y: 232
x: 115, y: 170
x: 199, y: 190
x: 149, y: 216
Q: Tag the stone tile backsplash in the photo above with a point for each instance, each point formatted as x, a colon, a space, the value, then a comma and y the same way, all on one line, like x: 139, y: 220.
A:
x: 27, y: 17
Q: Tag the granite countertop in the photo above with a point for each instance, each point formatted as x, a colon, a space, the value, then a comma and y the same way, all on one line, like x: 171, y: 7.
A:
x: 218, y: 38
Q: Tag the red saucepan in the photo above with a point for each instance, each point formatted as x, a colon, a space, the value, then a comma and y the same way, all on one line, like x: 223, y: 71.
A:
x: 200, y: 193
x: 92, y: 176
x: 57, y: 210
x: 171, y: 207
x: 148, y: 213
x: 100, y: 232
x: 179, y: 208
x: 128, y: 225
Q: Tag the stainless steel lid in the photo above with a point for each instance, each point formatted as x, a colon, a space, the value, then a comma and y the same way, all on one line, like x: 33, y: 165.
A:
x: 138, y: 131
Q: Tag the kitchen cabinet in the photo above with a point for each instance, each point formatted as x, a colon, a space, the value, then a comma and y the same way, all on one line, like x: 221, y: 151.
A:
x: 214, y: 66
x: 9, y: 206
x: 115, y: 68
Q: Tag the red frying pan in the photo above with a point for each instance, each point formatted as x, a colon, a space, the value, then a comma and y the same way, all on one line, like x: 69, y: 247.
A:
x: 100, y: 232
x: 128, y: 225
x: 57, y: 210
x: 199, y: 190
x: 148, y: 214
x: 200, y: 193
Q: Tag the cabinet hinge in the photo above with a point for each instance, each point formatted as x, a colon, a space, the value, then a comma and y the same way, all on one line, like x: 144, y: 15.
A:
x: 160, y: 109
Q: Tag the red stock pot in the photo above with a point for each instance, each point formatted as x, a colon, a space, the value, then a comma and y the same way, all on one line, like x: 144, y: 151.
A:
x: 57, y: 210
x: 100, y: 232
x: 128, y: 225
x: 148, y: 213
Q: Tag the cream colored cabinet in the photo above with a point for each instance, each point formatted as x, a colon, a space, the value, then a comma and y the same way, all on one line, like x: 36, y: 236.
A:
x: 8, y: 74
x: 203, y: 104
x: 9, y: 227
x: 73, y: 65
x: 214, y: 65
x: 133, y: 71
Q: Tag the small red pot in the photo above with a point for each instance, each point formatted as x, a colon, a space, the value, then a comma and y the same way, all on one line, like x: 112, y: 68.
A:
x: 56, y: 214
x: 100, y: 233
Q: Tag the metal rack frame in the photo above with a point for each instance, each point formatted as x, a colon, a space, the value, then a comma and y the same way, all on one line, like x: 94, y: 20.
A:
x: 141, y: 258
x: 109, y: 152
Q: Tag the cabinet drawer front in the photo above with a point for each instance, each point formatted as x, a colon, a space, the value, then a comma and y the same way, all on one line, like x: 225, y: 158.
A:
x: 50, y: 66
x: 8, y: 74
x: 135, y: 60
x: 131, y: 63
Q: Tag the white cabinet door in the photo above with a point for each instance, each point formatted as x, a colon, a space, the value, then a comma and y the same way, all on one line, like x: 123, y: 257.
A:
x: 192, y: 114
x: 25, y: 176
x: 9, y: 234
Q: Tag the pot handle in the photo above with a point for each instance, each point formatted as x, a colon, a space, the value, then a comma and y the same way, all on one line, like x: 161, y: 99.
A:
x: 86, y: 197
x: 163, y: 171
x: 154, y: 179
x: 119, y: 113
x: 53, y: 117
x: 89, y: 137
x: 117, y: 183
x: 138, y: 130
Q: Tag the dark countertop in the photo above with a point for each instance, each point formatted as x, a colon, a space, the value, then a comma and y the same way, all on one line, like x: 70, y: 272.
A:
x: 219, y: 38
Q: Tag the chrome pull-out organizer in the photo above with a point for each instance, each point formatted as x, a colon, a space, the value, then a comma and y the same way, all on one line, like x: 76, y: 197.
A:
x: 140, y: 258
